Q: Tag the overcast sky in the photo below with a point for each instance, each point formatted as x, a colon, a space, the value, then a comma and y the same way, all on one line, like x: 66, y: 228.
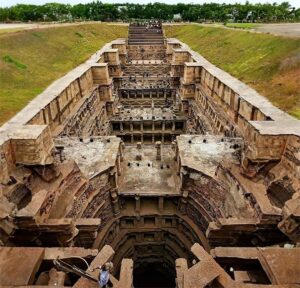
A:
x: 7, y: 3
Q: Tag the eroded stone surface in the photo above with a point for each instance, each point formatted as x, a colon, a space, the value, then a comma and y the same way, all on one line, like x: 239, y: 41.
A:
x: 149, y: 148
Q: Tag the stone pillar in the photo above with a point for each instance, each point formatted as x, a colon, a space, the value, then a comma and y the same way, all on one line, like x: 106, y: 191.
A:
x: 137, y: 204
x: 183, y: 203
x: 58, y: 110
x: 161, y: 204
x: 158, y: 150
x: 122, y: 147
x: 119, y: 164
x: 117, y: 227
x: 174, y: 96
x: 115, y: 201
x: 112, y: 179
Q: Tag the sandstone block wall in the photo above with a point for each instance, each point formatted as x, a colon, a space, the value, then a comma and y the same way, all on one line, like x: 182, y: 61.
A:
x: 233, y: 106
x: 54, y: 106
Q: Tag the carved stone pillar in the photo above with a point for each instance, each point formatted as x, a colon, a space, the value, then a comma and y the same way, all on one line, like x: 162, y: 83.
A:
x: 137, y: 204
x: 158, y: 150
x: 115, y: 201
x: 161, y: 204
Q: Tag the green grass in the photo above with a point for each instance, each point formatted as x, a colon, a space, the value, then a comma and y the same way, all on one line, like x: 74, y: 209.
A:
x: 242, y: 25
x: 9, y: 59
x: 268, y: 63
x: 79, y: 34
x: 37, y: 34
x: 30, y: 60
x: 10, y: 30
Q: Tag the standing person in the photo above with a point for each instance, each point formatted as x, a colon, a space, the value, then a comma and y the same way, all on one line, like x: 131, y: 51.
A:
x: 104, y: 276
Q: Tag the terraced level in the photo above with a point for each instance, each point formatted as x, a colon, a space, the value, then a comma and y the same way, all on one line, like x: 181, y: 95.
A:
x: 270, y: 64
x: 149, y: 156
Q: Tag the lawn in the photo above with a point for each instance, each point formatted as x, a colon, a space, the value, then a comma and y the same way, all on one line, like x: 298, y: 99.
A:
x: 270, y: 64
x: 10, y: 30
x: 30, y: 60
x: 242, y: 25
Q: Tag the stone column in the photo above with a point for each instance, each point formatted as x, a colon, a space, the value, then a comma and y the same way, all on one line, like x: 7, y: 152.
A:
x: 161, y: 204
x: 173, y: 126
x: 119, y: 164
x: 137, y: 204
x: 122, y: 147
x: 115, y: 201
x: 113, y: 193
x: 158, y: 150
x: 182, y: 204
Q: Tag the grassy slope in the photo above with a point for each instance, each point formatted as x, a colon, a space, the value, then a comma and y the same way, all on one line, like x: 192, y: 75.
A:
x: 270, y: 64
x: 30, y: 60
x: 242, y: 25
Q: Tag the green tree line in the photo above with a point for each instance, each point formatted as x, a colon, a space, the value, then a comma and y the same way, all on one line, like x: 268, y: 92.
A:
x: 99, y: 11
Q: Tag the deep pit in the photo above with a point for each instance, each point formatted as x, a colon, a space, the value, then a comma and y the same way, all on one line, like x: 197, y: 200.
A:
x: 135, y: 156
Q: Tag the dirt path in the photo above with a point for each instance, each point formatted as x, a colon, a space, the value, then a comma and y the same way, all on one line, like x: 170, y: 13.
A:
x: 286, y: 29
x: 26, y: 26
x: 282, y: 29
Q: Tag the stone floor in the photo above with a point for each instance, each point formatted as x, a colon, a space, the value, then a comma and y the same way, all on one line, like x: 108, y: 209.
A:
x: 148, y: 176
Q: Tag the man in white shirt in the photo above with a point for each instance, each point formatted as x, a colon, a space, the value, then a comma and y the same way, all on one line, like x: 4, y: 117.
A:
x: 105, y: 270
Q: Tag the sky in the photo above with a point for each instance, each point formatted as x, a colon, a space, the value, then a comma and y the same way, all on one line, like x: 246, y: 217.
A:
x: 7, y: 3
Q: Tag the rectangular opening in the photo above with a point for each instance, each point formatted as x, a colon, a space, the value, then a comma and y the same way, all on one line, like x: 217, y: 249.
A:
x: 150, y: 221
x: 127, y: 138
x: 179, y: 125
x: 147, y: 139
x: 136, y: 126
x: 129, y: 222
x: 126, y: 126
x: 116, y: 126
x: 158, y: 126
x: 168, y: 222
x: 137, y: 138
x: 168, y: 125
x: 167, y: 138
x: 157, y: 137
x: 147, y: 126
x: 149, y: 237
